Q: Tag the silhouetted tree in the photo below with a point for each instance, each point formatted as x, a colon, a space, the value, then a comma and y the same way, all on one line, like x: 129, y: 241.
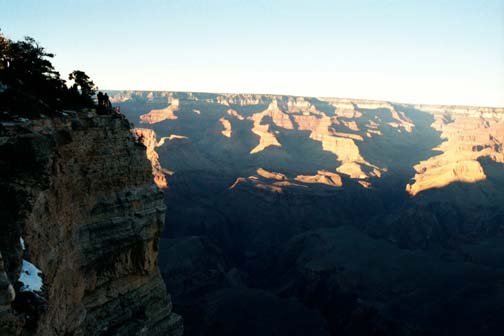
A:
x: 30, y: 86
x: 84, y: 85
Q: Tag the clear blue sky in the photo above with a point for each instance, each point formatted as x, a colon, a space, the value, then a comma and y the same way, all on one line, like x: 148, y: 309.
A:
x: 421, y: 51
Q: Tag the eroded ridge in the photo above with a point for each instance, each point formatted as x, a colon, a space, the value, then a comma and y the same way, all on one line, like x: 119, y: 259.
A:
x: 300, y: 114
x: 148, y: 138
x: 469, y: 134
x: 167, y: 113
x: 277, y: 182
x: 349, y: 129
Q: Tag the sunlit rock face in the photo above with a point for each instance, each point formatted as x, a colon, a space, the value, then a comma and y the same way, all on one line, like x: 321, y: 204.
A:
x: 148, y: 138
x: 266, y: 137
x: 434, y: 175
x: 296, y: 113
x: 235, y: 114
x: 158, y: 115
x: 271, y: 175
x: 277, y: 182
x: 266, y: 180
x: 468, y: 134
x: 80, y: 205
x: 227, y: 127
x: 322, y: 177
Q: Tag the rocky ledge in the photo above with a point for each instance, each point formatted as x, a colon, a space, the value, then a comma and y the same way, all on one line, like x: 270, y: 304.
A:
x: 80, y: 224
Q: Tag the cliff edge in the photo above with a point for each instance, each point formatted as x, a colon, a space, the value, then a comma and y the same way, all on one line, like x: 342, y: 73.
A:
x: 80, y: 220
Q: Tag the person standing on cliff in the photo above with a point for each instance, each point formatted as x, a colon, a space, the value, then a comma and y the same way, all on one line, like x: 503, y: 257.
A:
x: 107, y: 103
x: 100, y: 102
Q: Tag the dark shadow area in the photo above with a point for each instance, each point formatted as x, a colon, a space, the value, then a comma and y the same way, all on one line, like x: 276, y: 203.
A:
x: 338, y: 261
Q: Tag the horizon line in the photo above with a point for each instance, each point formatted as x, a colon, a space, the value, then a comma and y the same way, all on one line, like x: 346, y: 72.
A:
x: 310, y: 96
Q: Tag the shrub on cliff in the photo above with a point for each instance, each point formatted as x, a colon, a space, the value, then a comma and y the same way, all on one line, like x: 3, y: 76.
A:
x: 30, y: 86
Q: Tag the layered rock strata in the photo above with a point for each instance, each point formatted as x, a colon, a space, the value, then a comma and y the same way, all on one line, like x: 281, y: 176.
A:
x: 158, y: 115
x: 79, y: 198
x: 469, y: 135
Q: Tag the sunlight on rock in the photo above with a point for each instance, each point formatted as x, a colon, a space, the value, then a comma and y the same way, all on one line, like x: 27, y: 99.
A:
x: 470, y: 134
x: 352, y: 169
x: 266, y: 137
x: 235, y: 114
x: 467, y: 171
x: 227, y: 127
x: 162, y: 141
x: 322, y: 177
x: 148, y: 139
x: 167, y: 113
x: 271, y: 175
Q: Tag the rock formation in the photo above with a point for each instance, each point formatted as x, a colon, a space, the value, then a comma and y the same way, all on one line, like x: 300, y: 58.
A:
x: 167, y: 113
x: 344, y: 127
x: 148, y: 139
x: 271, y: 175
x: 298, y: 113
x: 277, y: 182
x: 469, y: 134
x: 235, y: 114
x: 322, y: 177
x: 162, y: 141
x: 80, y: 205
x: 227, y: 127
x: 266, y: 137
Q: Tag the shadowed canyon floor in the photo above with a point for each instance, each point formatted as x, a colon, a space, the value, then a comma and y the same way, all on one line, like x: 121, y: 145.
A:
x: 349, y: 217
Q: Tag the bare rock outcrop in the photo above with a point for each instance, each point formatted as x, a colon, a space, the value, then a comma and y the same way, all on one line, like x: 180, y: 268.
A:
x: 227, y: 131
x: 298, y: 113
x: 274, y: 182
x: 235, y: 114
x: 469, y: 134
x: 322, y: 177
x: 266, y: 137
x: 271, y: 175
x: 149, y: 140
x: 158, y: 115
x: 277, y: 182
x: 80, y: 205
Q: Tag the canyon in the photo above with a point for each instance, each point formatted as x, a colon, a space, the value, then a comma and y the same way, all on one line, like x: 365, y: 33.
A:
x: 346, y: 128
x: 345, y: 215
x: 258, y: 212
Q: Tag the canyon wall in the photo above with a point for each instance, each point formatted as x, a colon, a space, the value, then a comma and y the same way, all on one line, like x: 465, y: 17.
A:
x: 469, y: 135
x: 350, y: 129
x: 303, y: 194
x: 79, y: 205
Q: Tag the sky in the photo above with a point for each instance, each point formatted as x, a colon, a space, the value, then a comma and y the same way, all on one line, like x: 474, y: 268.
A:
x: 425, y: 51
